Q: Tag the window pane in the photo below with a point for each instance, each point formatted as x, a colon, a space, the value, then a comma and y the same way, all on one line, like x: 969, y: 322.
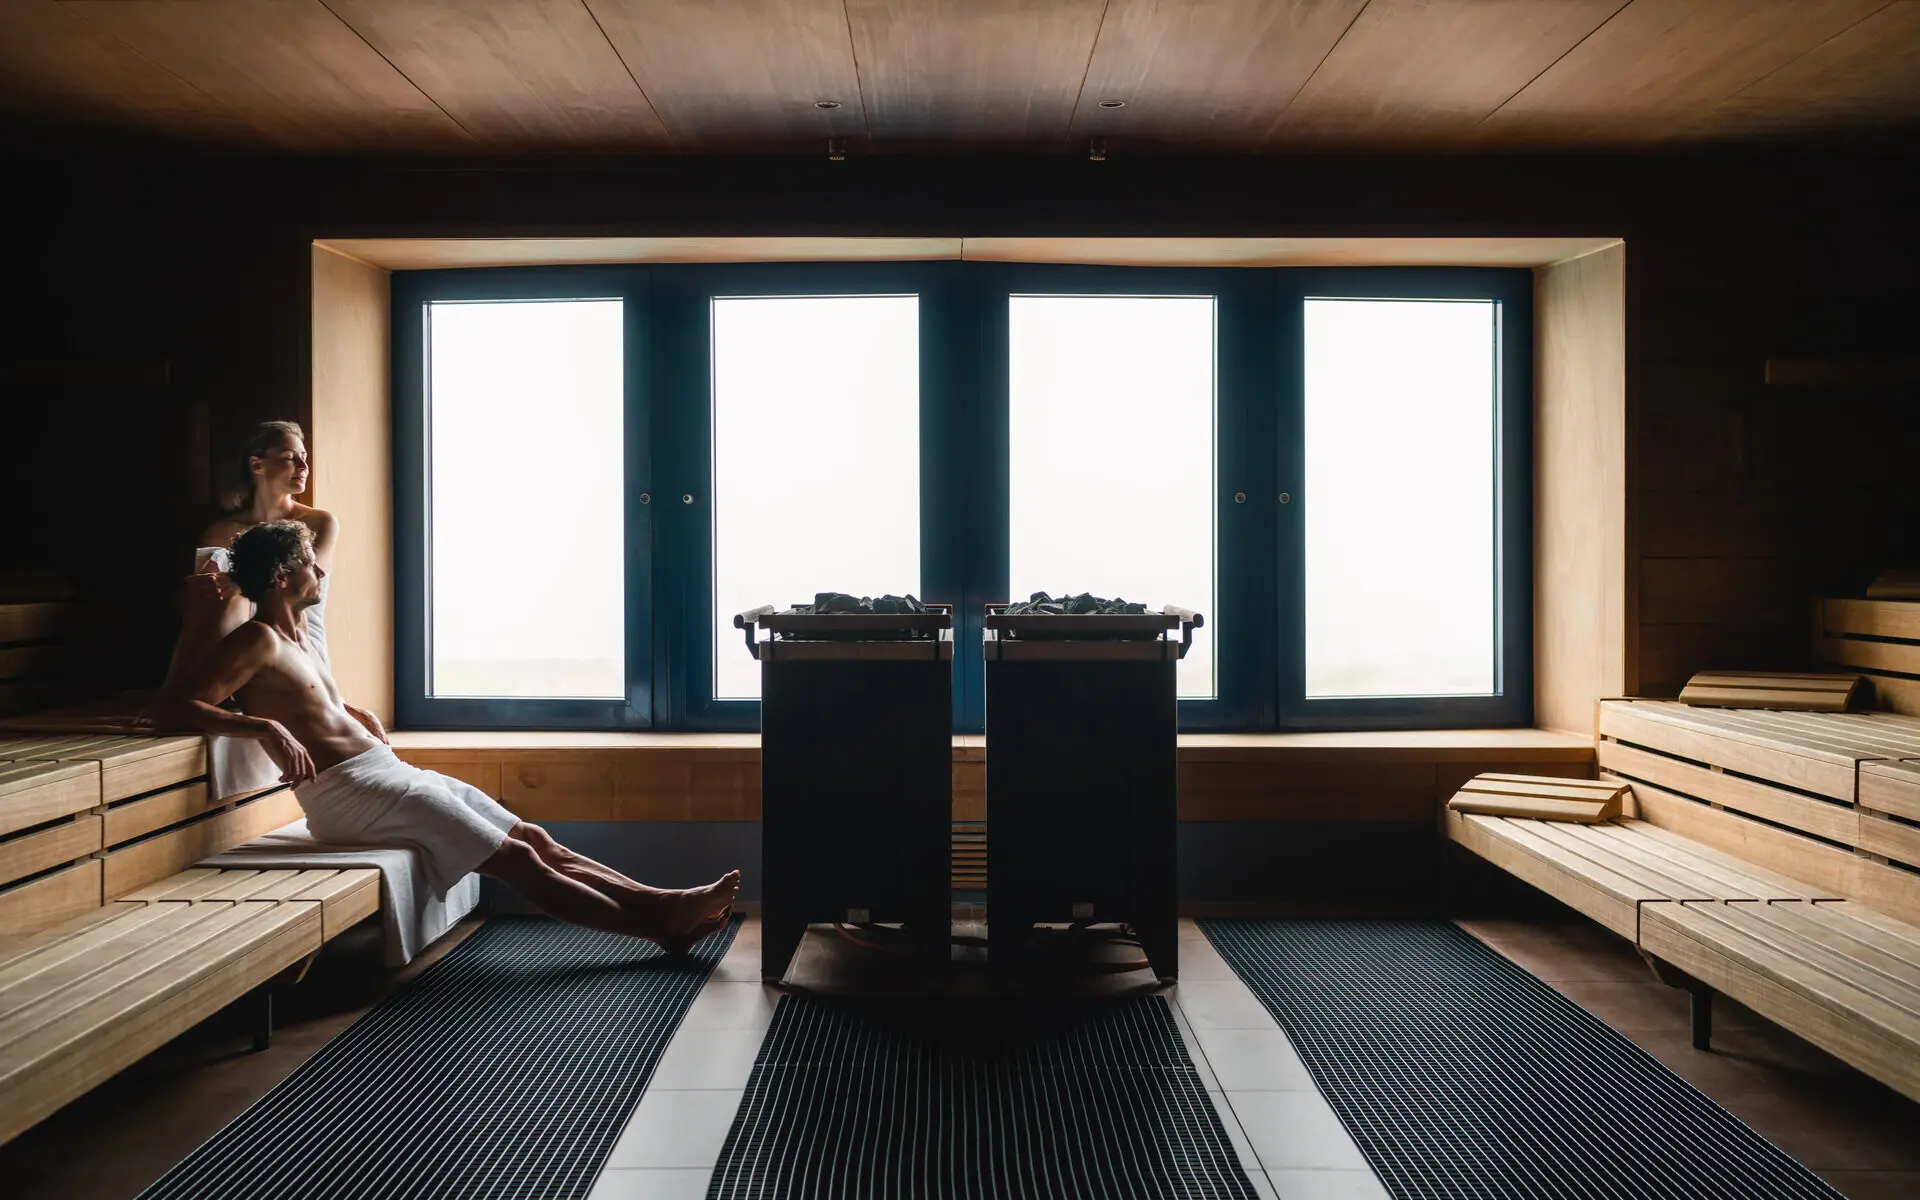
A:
x: 528, y: 560
x: 816, y: 458
x: 1110, y: 421
x: 1400, y: 491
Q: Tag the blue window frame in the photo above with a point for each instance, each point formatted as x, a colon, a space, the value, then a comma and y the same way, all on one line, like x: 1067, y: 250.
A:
x: 1285, y: 448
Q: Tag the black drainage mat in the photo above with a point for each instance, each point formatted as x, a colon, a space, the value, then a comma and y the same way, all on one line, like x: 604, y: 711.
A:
x: 976, y: 1098
x: 506, y: 1069
x: 1462, y: 1076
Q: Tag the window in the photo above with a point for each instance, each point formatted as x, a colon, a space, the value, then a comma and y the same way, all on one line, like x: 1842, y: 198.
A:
x: 598, y: 467
x: 816, y: 458
x: 1399, y: 497
x: 1111, y: 437
x: 527, y: 589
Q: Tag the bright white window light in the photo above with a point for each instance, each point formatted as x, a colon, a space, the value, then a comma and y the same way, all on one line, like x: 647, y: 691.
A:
x: 526, y: 464
x: 1400, y: 492
x: 816, y: 458
x: 1111, y: 432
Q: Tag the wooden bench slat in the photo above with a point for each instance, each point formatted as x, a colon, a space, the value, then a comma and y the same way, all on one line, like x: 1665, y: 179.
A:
x: 1901, y: 843
x: 129, y: 766
x: 52, y: 898
x: 65, y: 1059
x: 346, y: 899
x: 1800, y: 964
x: 40, y: 951
x: 1607, y: 898
x: 137, y: 818
x: 82, y: 980
x: 291, y: 882
x: 1835, y: 933
x: 1891, y: 787
x: 1764, y: 980
x: 31, y: 853
x: 96, y: 948
x: 1822, y: 776
x: 1873, y: 618
x: 1822, y: 818
x: 1713, y: 864
x: 131, y: 867
x: 1664, y: 880
x: 183, y: 886
x: 34, y: 793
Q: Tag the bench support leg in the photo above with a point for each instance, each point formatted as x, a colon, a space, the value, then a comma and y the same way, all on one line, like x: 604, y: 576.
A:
x: 1700, y: 1007
x: 1702, y: 1014
x: 261, y: 1003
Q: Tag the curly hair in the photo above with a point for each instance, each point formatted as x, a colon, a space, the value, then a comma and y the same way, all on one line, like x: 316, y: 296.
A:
x: 266, y: 438
x: 264, y: 551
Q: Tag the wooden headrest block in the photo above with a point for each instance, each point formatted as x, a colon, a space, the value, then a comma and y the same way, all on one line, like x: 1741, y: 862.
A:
x: 1586, y: 801
x: 1896, y: 583
x: 1770, y: 689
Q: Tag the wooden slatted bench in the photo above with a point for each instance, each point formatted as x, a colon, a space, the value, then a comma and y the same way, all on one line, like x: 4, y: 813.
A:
x: 1770, y: 856
x: 85, y: 999
x: 87, y: 818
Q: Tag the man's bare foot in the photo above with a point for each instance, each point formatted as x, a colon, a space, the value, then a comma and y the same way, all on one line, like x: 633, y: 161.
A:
x: 684, y: 943
x: 677, y: 913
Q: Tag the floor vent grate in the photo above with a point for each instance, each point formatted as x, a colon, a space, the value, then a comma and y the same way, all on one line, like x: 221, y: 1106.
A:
x: 1463, y: 1077
x: 976, y: 1098
x: 507, y: 1069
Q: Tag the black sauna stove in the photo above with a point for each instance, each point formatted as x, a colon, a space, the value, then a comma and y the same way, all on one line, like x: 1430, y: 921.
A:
x: 856, y: 774
x: 1082, y: 775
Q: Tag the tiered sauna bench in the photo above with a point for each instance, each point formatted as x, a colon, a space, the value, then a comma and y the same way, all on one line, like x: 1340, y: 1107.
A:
x: 1770, y: 856
x: 111, y: 941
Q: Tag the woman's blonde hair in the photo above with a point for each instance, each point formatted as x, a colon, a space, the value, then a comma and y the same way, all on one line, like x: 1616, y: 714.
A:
x: 265, y: 439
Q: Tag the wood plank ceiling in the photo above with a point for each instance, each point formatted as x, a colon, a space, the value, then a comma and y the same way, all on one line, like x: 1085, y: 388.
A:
x: 485, y: 77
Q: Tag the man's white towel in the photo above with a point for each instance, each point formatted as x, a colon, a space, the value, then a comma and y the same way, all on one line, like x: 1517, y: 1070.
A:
x: 413, y: 915
x: 242, y: 764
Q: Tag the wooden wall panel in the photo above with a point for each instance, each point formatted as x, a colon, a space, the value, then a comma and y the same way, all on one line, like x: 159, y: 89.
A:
x: 519, y: 75
x: 1204, y: 73
x: 351, y: 441
x: 938, y: 71
x: 1581, y: 606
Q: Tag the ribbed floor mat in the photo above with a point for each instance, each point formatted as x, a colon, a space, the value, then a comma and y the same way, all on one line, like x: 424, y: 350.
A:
x: 507, y: 1069
x: 976, y: 1098
x: 1462, y: 1076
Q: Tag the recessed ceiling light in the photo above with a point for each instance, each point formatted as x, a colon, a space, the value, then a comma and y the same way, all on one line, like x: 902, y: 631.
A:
x: 1113, y: 104
x: 826, y: 104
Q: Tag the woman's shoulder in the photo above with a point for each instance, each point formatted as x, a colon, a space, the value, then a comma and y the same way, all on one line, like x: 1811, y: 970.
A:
x: 319, y: 520
x: 224, y: 530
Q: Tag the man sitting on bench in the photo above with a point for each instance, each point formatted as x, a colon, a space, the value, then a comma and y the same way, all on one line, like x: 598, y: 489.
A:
x: 356, y: 792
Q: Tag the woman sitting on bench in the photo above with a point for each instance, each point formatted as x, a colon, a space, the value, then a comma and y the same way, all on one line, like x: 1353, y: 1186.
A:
x: 356, y: 792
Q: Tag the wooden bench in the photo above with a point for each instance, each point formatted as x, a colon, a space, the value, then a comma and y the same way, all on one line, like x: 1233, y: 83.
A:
x: 111, y: 940
x: 1769, y: 856
x: 88, y: 818
x: 87, y: 998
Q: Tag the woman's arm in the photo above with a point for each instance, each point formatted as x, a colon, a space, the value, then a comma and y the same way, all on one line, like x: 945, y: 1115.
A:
x: 326, y: 534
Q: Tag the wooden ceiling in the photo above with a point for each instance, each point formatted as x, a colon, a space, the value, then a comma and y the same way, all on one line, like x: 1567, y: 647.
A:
x: 493, y: 77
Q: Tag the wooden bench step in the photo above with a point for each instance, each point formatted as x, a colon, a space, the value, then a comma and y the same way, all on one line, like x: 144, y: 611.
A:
x: 80, y: 1001
x: 1803, y: 966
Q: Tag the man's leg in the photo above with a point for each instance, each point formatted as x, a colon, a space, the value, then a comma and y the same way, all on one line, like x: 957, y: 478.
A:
x: 673, y: 919
x: 578, y: 867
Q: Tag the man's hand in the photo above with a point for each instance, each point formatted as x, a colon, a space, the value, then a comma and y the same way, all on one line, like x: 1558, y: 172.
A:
x: 370, y: 721
x: 296, y: 765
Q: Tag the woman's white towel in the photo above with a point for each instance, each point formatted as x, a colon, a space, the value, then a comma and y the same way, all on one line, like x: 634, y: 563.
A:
x: 241, y: 764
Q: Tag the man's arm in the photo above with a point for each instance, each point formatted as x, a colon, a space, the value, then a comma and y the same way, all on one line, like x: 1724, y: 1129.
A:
x: 195, y: 706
